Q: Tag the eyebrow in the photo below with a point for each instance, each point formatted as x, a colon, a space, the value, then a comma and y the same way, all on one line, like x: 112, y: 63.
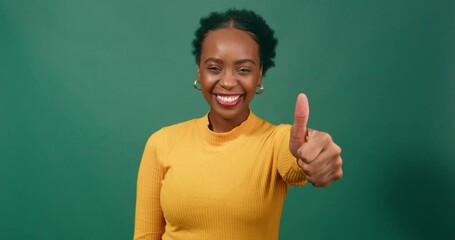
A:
x: 240, y: 61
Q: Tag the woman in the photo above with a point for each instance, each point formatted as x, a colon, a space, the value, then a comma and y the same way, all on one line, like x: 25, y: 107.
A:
x: 225, y: 175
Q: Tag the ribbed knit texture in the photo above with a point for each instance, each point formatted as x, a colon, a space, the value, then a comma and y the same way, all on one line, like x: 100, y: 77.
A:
x: 194, y: 183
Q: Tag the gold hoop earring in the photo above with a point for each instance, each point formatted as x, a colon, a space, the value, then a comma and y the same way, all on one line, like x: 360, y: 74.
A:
x: 261, y: 89
x: 195, y: 85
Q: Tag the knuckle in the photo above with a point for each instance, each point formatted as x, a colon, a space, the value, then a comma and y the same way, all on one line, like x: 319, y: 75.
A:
x: 338, y: 162
x: 304, y: 156
x: 311, y: 131
x: 338, y: 174
x: 327, y: 137
x: 337, y: 149
x: 306, y: 169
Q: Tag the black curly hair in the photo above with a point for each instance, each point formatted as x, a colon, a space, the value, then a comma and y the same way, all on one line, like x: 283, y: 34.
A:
x: 245, y: 20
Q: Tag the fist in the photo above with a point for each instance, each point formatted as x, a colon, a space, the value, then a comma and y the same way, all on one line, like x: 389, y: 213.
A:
x: 317, y: 155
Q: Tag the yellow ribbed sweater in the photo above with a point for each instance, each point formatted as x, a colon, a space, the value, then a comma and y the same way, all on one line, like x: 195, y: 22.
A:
x: 194, y: 183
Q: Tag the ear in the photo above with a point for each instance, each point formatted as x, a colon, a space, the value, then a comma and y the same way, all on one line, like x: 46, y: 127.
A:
x: 198, y: 72
x: 260, y: 76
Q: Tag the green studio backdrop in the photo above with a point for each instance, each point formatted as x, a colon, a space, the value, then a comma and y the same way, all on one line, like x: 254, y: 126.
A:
x: 84, y: 83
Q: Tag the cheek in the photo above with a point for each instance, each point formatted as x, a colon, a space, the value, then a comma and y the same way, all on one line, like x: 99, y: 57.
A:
x: 250, y: 85
x: 207, y: 82
x: 250, y: 89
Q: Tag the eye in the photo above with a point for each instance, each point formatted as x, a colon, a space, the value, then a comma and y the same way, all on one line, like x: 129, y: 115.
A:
x: 244, y: 70
x: 214, y: 69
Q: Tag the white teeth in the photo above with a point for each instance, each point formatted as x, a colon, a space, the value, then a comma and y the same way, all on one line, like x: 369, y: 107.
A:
x: 228, y: 99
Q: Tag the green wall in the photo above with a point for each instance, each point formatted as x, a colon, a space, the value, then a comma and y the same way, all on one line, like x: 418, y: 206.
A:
x: 84, y: 83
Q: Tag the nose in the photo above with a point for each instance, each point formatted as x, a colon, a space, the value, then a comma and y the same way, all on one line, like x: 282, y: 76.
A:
x: 228, y: 80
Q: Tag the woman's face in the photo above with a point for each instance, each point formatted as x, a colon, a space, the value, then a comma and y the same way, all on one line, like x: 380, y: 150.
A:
x: 229, y: 71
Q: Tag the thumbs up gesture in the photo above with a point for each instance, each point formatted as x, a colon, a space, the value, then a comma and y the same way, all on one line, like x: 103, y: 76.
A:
x: 317, y: 155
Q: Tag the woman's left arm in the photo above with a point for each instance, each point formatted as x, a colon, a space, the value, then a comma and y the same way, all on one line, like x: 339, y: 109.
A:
x: 318, y: 156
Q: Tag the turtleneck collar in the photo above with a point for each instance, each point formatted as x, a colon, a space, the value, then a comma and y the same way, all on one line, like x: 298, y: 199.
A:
x: 218, y: 139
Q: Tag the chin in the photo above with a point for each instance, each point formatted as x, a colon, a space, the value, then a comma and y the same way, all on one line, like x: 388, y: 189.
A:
x: 229, y: 114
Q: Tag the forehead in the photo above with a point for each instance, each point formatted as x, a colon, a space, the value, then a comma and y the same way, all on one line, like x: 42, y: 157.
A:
x: 229, y: 44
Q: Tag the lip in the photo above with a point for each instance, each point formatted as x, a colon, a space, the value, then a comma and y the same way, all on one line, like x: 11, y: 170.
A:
x: 228, y: 104
x: 227, y: 94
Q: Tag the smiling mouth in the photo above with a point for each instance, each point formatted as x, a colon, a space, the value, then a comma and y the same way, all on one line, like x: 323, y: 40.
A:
x: 228, y: 100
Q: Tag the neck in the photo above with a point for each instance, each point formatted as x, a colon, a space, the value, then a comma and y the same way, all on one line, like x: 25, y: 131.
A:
x: 221, y: 125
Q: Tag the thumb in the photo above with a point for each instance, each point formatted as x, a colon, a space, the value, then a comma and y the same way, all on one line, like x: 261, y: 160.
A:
x: 299, y: 127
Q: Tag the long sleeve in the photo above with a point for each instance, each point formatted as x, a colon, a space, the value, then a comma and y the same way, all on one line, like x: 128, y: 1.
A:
x: 196, y: 184
x: 149, y: 220
x: 287, y: 163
